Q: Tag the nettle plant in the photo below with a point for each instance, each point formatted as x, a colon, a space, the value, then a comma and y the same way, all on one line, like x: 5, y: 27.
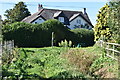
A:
x: 65, y: 43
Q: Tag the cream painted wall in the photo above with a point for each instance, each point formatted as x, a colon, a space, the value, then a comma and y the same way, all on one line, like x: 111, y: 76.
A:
x: 74, y: 22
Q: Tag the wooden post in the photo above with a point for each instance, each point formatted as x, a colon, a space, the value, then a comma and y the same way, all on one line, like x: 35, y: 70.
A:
x: 52, y: 39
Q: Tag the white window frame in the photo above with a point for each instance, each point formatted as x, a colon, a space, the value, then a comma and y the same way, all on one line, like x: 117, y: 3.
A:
x: 61, y: 19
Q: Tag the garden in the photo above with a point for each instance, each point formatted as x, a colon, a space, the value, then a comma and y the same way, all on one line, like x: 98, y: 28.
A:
x: 51, y: 51
x: 72, y: 56
x: 59, y: 63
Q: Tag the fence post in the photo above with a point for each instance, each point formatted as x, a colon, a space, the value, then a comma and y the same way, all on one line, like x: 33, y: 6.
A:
x: 52, y: 39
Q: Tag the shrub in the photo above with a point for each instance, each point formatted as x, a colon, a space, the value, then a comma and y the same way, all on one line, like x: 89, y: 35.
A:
x: 41, y: 64
x: 40, y: 35
x: 35, y: 35
x: 65, y: 43
x: 83, y: 37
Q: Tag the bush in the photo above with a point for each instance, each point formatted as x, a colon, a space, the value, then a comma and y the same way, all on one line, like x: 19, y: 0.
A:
x: 40, y: 35
x: 39, y: 64
x: 83, y: 37
x: 35, y: 35
x: 65, y: 43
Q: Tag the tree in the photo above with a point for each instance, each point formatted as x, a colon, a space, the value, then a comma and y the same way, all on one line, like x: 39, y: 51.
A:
x: 18, y: 13
x: 101, y: 29
x: 114, y: 20
x: 0, y: 28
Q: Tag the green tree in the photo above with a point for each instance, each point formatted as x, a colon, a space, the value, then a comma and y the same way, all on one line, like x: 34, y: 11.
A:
x: 114, y: 20
x: 101, y: 29
x: 0, y: 28
x: 18, y: 13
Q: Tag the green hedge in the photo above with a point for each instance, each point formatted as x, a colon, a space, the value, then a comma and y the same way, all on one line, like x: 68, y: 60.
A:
x: 40, y: 35
x: 83, y: 37
x: 35, y: 35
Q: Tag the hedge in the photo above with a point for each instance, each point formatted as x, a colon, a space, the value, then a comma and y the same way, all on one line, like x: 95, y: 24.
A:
x: 83, y: 37
x: 40, y: 35
x: 35, y: 35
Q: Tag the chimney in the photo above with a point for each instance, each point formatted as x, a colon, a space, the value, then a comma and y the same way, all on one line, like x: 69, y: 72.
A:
x: 85, y: 11
x: 40, y: 7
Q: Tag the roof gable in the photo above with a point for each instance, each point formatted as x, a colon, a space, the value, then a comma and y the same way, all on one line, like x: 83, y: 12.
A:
x: 57, y: 13
x: 52, y: 13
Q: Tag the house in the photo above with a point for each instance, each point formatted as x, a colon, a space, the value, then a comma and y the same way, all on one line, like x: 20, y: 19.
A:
x: 71, y: 19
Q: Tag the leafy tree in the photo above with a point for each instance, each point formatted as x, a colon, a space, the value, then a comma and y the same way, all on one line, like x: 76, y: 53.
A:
x: 16, y: 14
x: 101, y: 29
x: 114, y: 20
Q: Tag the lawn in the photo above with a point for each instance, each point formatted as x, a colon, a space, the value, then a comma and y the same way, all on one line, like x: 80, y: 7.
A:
x: 60, y: 63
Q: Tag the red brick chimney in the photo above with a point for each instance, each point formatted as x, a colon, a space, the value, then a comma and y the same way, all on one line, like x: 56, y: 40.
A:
x: 40, y: 7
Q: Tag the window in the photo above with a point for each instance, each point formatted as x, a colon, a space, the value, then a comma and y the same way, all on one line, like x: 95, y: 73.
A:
x: 35, y: 22
x: 40, y: 19
x: 78, y: 21
x: 86, y: 26
x: 61, y: 19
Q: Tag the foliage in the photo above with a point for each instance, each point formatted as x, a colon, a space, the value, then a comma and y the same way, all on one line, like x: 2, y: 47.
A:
x: 104, y: 66
x: 80, y: 60
x: 65, y: 43
x: 61, y: 32
x: 44, y: 63
x: 55, y: 63
x: 40, y: 35
x: 101, y: 29
x: 35, y: 35
x: 18, y: 13
x: 83, y: 37
x: 114, y: 20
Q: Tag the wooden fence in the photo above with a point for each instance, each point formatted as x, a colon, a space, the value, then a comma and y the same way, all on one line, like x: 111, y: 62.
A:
x: 112, y: 49
x: 6, y: 46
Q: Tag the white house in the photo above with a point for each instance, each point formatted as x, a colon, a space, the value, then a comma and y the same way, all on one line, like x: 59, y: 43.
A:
x: 71, y: 19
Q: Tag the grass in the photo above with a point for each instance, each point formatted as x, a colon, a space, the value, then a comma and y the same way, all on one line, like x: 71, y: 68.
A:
x: 59, y: 62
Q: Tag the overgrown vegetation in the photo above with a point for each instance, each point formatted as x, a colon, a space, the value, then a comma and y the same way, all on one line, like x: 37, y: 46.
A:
x: 59, y: 63
x: 44, y: 63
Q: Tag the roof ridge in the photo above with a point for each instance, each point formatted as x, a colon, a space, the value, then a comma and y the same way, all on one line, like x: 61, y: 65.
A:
x: 62, y: 10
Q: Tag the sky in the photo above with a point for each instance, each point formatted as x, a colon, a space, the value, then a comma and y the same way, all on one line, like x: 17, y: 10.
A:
x: 92, y: 6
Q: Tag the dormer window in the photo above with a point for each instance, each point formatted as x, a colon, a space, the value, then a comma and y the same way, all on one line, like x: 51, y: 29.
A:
x: 61, y: 19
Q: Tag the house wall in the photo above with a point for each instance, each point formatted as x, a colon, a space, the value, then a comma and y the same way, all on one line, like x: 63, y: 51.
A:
x: 74, y: 23
x: 38, y: 21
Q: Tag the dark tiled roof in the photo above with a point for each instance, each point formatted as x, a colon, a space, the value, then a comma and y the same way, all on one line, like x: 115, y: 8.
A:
x: 33, y: 17
x: 50, y: 13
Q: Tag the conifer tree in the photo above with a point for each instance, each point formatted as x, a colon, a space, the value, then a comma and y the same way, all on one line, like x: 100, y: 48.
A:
x: 16, y: 14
